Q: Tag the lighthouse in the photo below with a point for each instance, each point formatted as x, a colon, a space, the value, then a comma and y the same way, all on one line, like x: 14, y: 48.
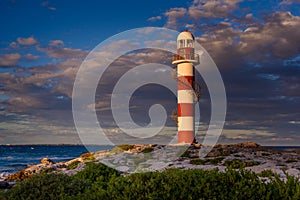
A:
x: 185, y: 60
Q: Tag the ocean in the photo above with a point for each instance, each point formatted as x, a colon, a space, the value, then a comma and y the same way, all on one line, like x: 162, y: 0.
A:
x: 17, y: 157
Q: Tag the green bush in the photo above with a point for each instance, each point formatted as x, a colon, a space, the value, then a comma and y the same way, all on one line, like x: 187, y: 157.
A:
x: 47, y: 186
x: 96, y: 172
x: 98, y: 181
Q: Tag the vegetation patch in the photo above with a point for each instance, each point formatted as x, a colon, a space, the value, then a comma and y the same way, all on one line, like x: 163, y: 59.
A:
x: 96, y: 172
x: 266, y: 173
x: 147, y: 150
x: 73, y: 165
x: 291, y: 160
x: 47, y: 186
x: 126, y: 147
x: 98, y: 181
x: 185, y: 154
x: 47, y: 170
x: 198, y: 161
x: 238, y: 164
x: 213, y: 161
x: 18, y: 176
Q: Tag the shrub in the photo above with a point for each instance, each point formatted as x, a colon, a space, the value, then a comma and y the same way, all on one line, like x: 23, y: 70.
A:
x: 98, y: 181
x: 96, y: 172
x: 47, y: 186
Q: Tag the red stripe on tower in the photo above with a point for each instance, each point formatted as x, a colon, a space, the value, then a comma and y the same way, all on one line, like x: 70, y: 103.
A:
x: 185, y: 109
x: 185, y: 82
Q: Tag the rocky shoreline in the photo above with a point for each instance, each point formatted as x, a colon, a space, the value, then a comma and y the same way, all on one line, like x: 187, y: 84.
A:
x: 139, y: 158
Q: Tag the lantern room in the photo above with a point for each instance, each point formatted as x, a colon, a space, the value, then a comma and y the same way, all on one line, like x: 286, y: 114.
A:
x: 185, y: 48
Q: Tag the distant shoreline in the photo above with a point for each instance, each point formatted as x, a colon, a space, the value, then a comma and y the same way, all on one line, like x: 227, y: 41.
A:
x: 101, y: 145
x: 56, y: 145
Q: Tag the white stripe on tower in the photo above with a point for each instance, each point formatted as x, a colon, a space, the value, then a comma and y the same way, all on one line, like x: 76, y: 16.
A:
x: 185, y: 96
x: 186, y: 123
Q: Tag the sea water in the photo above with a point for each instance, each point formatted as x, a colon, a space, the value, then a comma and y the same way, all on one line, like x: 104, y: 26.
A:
x: 18, y: 157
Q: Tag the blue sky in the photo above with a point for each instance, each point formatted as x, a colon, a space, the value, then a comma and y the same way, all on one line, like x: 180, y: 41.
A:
x: 255, y: 45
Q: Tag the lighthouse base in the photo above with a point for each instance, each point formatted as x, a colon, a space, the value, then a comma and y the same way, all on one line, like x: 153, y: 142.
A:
x: 186, y: 137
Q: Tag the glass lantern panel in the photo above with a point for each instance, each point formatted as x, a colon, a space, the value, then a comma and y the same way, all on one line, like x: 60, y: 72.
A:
x: 190, y: 43
x: 181, y: 43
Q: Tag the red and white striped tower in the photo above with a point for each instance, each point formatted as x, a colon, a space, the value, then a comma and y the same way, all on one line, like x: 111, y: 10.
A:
x: 185, y: 93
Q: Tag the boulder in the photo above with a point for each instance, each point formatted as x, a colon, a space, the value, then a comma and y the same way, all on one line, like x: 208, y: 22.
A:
x: 47, y: 161
x: 250, y: 145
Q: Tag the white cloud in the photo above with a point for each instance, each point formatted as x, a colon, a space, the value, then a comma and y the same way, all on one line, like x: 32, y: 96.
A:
x: 14, y: 45
x: 216, y: 9
x: 156, y: 18
x: 56, y: 43
x: 173, y: 15
x: 52, y: 8
x: 245, y: 134
x: 9, y: 60
x: 63, y: 52
x: 46, y: 4
x: 27, y: 41
x: 29, y: 57
x: 288, y: 2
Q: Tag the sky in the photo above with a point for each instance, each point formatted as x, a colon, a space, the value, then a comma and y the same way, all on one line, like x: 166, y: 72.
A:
x: 255, y: 45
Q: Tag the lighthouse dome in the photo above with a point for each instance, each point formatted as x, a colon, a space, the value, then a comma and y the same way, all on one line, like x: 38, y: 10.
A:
x: 185, y: 35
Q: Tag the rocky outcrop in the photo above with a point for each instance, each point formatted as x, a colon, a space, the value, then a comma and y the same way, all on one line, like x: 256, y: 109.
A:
x: 47, y: 161
x: 239, y: 145
x: 46, y: 166
x: 148, y: 157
